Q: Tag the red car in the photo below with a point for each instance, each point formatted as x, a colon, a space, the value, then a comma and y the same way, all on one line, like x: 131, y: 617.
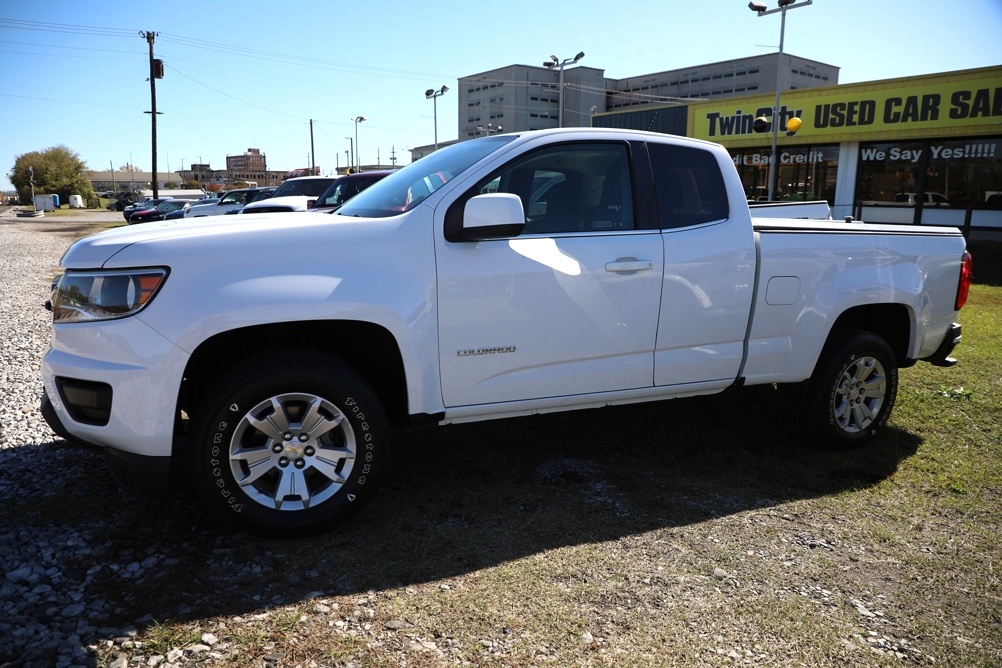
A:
x: 133, y: 209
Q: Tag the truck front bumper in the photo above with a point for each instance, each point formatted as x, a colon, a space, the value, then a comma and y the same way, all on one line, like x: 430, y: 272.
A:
x: 114, y: 384
x: 143, y: 475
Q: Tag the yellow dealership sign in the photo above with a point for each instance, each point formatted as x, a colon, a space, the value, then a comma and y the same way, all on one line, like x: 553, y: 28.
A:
x: 968, y: 102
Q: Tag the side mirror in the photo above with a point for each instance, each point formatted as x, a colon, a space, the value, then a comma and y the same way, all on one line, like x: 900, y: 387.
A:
x: 493, y: 216
x: 310, y: 203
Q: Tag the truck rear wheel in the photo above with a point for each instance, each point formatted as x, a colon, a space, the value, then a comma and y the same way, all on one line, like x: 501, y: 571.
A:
x: 850, y: 396
x: 288, y: 443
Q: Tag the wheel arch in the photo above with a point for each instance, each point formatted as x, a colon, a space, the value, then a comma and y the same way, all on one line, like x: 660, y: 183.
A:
x: 891, y: 322
x: 378, y: 358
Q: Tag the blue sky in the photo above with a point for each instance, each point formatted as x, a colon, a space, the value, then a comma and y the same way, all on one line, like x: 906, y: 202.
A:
x: 253, y: 74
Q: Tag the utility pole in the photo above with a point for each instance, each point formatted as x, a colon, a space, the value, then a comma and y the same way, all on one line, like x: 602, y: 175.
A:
x: 156, y: 72
x: 313, y: 160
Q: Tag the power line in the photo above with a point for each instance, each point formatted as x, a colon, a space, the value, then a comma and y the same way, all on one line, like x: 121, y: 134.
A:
x: 290, y: 59
x: 41, y: 26
x: 249, y: 104
x: 49, y: 99
x: 242, y: 51
x: 62, y: 46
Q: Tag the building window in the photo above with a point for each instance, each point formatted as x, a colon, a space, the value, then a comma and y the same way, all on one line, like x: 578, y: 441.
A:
x: 964, y: 171
x: 805, y: 173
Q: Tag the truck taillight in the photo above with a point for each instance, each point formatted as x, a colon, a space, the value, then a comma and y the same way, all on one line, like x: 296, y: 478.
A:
x: 966, y: 267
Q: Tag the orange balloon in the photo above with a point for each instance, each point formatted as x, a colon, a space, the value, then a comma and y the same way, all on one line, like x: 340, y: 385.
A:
x: 794, y: 124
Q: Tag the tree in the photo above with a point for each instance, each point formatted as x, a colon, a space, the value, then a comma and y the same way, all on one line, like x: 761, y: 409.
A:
x: 129, y: 167
x: 193, y: 184
x: 57, y: 170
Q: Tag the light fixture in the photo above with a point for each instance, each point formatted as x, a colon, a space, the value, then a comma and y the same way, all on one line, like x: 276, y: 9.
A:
x: 559, y: 64
x: 433, y: 95
x: 358, y: 163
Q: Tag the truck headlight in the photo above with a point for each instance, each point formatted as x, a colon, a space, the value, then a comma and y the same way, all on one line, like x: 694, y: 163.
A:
x: 84, y: 296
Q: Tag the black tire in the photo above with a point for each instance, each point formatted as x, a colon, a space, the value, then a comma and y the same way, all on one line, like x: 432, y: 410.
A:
x: 852, y: 392
x: 288, y: 443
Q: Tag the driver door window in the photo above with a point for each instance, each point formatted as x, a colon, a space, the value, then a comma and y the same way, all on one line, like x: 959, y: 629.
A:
x: 571, y: 189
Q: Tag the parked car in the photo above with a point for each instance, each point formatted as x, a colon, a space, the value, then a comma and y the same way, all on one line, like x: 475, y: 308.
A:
x: 260, y: 194
x: 297, y: 194
x: 160, y: 211
x: 124, y: 201
x: 910, y: 199
x: 930, y: 199
x: 347, y: 187
x: 230, y: 201
x: 180, y: 213
x: 148, y: 205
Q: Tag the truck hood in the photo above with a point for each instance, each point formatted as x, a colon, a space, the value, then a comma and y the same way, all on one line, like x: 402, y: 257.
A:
x: 157, y: 243
x: 295, y: 202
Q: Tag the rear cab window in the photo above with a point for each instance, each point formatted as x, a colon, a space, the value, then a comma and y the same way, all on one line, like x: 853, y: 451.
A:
x: 690, y: 188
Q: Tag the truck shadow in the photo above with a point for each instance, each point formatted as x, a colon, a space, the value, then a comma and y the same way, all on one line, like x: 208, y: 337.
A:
x: 457, y: 499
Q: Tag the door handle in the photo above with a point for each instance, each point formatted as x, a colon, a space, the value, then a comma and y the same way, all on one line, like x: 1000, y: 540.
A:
x: 628, y: 265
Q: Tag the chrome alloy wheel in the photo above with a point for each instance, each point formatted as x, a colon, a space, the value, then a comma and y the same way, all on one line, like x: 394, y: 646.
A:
x: 292, y: 451
x: 859, y: 395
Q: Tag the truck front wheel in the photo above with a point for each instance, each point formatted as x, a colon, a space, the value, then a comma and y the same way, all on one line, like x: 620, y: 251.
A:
x: 850, y: 396
x: 288, y: 443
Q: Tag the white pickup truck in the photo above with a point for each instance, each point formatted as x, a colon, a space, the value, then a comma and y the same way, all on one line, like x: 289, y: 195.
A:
x: 502, y: 276
x: 231, y: 201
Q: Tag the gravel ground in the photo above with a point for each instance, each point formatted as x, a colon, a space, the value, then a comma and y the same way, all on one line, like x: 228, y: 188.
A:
x: 45, y: 617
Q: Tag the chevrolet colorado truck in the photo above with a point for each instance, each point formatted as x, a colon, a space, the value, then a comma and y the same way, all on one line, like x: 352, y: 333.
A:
x: 266, y: 357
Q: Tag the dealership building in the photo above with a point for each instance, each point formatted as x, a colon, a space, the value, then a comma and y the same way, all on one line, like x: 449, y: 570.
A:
x: 924, y: 149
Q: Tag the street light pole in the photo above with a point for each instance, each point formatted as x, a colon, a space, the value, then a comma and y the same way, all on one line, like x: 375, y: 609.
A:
x: 433, y: 95
x: 358, y: 163
x: 351, y: 152
x: 760, y: 9
x: 556, y: 62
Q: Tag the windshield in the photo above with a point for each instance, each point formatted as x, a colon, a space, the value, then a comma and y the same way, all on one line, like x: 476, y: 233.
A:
x: 303, y: 187
x: 404, y: 190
